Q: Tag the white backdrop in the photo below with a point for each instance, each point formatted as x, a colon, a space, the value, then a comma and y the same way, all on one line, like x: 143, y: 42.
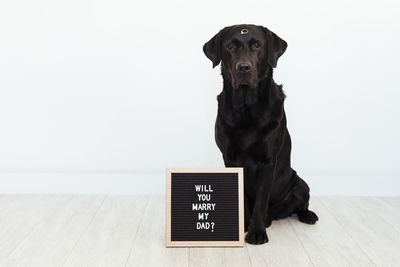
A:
x: 102, y: 96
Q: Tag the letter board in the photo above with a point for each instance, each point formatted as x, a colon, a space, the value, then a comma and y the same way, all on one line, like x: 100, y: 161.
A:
x: 204, y: 207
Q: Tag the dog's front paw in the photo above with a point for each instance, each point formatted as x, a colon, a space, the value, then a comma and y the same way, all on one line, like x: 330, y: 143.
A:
x: 258, y: 236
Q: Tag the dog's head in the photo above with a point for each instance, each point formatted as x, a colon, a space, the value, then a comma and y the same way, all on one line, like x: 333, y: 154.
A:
x: 246, y: 53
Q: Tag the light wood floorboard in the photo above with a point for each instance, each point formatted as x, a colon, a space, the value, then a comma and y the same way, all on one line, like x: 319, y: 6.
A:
x: 378, y: 238
x: 73, y: 230
x: 287, y: 250
x: 108, y: 240
x: 51, y: 240
x: 21, y: 216
x: 148, y: 248
x: 327, y: 243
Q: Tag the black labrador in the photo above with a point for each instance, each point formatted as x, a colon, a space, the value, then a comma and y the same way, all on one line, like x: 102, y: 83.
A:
x: 250, y: 128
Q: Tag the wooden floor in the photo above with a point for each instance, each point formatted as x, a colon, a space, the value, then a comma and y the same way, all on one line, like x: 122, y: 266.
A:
x: 68, y: 230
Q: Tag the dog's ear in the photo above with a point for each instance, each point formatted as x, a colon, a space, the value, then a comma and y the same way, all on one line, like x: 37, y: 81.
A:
x: 213, y: 48
x: 275, y: 46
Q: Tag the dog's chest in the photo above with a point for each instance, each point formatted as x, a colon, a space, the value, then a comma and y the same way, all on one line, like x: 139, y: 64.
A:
x: 248, y: 134
x: 250, y: 131
x: 248, y: 139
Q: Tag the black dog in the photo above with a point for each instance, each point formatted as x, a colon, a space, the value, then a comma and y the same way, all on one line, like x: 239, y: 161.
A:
x: 250, y: 129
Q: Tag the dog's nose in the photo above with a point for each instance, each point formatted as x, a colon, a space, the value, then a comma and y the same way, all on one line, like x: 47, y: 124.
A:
x: 243, y: 66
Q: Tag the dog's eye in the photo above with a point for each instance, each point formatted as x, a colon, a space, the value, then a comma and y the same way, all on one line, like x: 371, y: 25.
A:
x: 231, y: 47
x: 256, y: 45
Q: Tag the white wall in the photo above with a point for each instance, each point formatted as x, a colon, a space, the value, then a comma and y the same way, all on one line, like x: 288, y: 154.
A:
x: 122, y: 87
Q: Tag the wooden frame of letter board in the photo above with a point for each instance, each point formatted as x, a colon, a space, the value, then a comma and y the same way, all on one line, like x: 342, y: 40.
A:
x: 170, y: 243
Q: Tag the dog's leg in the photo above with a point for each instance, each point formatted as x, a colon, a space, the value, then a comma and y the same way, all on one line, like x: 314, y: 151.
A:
x: 303, y: 213
x: 247, y: 212
x: 229, y: 162
x: 268, y: 221
x: 265, y: 176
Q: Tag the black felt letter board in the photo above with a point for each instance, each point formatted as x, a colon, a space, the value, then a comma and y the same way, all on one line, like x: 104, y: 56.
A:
x: 204, y: 207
